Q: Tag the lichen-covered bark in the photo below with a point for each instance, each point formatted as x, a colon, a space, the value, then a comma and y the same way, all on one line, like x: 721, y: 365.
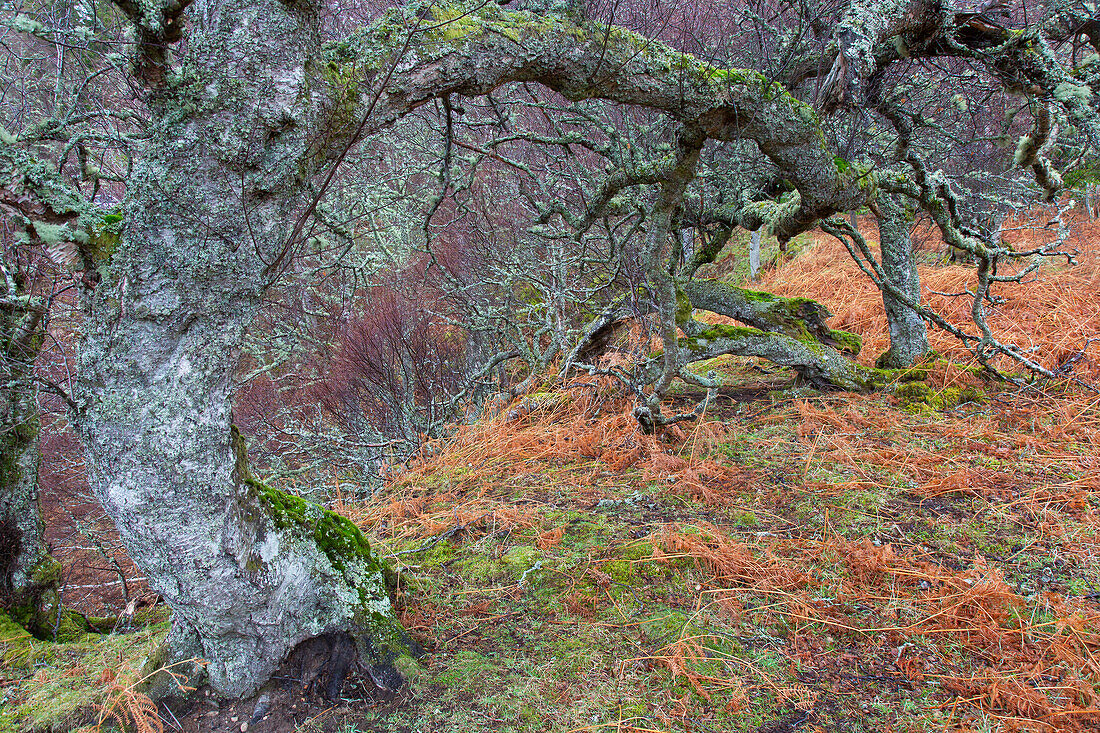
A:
x: 249, y: 572
x: 43, y: 211
x: 820, y: 366
x: 864, y: 28
x: 477, y: 52
x: 22, y: 548
x: 799, y: 318
x: 908, y: 332
x: 157, y: 24
x: 754, y: 254
x: 669, y: 196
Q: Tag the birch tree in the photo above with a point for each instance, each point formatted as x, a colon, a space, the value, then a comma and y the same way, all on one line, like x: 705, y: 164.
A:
x: 249, y: 115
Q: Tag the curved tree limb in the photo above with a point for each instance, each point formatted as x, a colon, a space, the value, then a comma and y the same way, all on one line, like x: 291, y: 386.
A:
x: 485, y: 49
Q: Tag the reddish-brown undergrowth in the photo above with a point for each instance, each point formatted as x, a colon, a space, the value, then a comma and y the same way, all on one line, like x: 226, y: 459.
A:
x: 582, y: 436
x: 1051, y: 315
x: 947, y: 618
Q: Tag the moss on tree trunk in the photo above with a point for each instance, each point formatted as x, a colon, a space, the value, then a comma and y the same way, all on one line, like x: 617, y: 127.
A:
x: 800, y: 318
x: 29, y: 577
x: 819, y: 365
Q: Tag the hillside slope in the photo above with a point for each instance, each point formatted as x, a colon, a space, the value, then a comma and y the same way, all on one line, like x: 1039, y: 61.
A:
x: 924, y: 561
x: 793, y: 562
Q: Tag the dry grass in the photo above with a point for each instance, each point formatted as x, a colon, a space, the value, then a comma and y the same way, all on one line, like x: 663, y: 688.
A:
x: 831, y: 563
x: 584, y: 434
x: 940, y: 560
x: 1053, y: 314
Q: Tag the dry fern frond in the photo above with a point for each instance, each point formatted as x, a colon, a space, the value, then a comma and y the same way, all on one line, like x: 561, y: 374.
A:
x: 127, y: 707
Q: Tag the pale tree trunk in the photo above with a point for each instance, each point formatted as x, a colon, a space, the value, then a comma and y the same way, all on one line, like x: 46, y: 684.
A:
x: 1090, y: 200
x: 754, y: 254
x: 908, y: 332
x: 687, y: 245
x: 998, y: 230
x: 249, y: 572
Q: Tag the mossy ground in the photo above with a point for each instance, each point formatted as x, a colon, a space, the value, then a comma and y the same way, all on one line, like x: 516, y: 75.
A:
x: 794, y: 561
x: 59, y: 687
x: 814, y: 579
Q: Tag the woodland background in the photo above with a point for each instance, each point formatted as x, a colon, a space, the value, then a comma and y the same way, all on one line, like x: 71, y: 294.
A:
x: 919, y: 557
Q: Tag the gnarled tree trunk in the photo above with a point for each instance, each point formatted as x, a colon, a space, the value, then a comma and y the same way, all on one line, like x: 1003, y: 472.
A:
x: 799, y: 318
x: 248, y: 571
x: 27, y: 573
x: 908, y: 332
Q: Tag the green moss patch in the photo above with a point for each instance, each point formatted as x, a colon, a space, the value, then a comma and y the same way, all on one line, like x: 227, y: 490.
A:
x: 847, y: 341
x: 336, y: 536
x: 56, y: 687
x: 917, y: 396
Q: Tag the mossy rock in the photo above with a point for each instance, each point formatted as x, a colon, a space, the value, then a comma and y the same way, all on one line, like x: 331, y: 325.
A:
x: 152, y: 616
x: 793, y: 393
x: 919, y: 397
x: 14, y: 640
x: 409, y: 667
x: 42, y: 613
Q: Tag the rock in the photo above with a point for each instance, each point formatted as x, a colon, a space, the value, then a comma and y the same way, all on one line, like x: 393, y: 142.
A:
x: 263, y: 704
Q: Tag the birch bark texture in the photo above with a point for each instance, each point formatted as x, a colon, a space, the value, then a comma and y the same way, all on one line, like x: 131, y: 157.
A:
x: 248, y: 571
x: 908, y: 332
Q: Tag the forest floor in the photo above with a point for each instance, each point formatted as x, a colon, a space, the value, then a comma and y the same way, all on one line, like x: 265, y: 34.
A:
x: 794, y: 561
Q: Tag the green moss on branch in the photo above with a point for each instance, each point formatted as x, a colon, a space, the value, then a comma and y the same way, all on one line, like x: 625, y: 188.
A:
x: 337, y: 537
x: 800, y: 318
